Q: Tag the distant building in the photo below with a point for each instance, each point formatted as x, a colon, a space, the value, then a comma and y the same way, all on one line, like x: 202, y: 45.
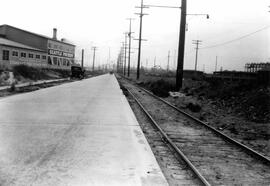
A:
x: 255, y: 67
x: 19, y: 46
x: 234, y: 75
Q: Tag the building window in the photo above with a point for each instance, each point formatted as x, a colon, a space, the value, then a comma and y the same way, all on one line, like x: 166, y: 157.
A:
x: 44, y: 57
x: 31, y: 55
x: 15, y: 53
x: 49, y: 60
x: 5, y: 55
x: 23, y: 54
x: 37, y: 56
x: 60, y: 61
x: 55, y: 60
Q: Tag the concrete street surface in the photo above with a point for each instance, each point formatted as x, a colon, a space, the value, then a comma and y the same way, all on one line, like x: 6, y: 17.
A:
x: 77, y: 134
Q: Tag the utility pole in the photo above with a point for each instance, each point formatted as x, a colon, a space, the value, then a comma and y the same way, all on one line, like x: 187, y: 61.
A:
x: 140, y: 39
x: 174, y: 60
x: 122, y: 56
x: 155, y: 61
x: 197, y: 43
x: 119, y: 62
x: 94, y: 55
x: 129, y: 44
x: 216, y: 65
x: 82, y: 57
x: 125, y: 52
x: 109, y: 58
x: 168, y: 63
x: 181, y: 46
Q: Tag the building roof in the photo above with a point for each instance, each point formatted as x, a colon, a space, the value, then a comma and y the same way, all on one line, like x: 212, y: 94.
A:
x: 10, y: 43
x: 36, y: 34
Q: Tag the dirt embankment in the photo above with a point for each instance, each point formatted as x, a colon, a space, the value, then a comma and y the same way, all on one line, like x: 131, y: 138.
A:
x: 243, y: 99
x: 22, y: 74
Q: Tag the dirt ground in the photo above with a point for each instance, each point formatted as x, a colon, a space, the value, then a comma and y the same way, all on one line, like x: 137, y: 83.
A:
x: 253, y: 134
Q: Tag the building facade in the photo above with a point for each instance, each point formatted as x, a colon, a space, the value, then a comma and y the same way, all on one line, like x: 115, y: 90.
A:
x: 19, y: 46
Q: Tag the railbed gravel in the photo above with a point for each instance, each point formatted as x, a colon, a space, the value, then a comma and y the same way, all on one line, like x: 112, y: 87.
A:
x: 174, y: 169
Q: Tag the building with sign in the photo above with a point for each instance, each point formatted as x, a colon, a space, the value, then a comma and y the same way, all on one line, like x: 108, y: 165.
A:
x: 19, y: 46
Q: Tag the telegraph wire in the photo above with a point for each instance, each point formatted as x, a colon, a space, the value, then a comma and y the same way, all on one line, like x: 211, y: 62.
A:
x: 239, y: 38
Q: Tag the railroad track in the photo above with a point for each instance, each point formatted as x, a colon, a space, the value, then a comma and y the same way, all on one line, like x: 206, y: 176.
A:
x: 174, y: 168
x: 215, y: 158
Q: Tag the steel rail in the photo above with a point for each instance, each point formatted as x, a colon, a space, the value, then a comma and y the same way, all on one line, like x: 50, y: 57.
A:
x: 224, y: 136
x: 172, y: 144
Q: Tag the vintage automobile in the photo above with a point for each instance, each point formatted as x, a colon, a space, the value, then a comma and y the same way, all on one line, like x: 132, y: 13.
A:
x: 77, y: 72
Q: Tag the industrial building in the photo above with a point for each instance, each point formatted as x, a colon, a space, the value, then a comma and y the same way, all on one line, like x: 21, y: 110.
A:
x: 19, y: 46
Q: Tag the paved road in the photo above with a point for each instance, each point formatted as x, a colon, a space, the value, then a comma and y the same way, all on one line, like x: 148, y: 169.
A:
x: 80, y: 133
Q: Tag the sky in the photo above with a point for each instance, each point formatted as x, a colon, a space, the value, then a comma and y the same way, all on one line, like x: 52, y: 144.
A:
x: 236, y: 33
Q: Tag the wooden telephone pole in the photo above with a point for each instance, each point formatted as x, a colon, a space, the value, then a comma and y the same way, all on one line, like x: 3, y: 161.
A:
x: 181, y: 46
x: 94, y: 55
x: 197, y: 43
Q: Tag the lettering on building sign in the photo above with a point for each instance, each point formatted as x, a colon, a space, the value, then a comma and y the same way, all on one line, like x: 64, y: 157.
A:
x: 60, y: 53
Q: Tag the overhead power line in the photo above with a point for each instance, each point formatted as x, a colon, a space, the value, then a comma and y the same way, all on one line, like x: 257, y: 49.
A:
x: 236, y: 39
x: 159, y: 6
